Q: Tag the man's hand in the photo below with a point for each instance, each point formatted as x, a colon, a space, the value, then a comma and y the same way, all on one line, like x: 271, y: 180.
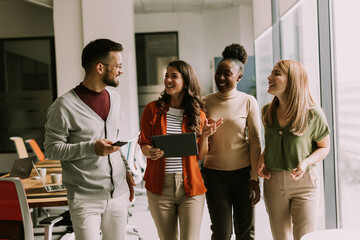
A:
x: 131, y: 183
x: 103, y: 147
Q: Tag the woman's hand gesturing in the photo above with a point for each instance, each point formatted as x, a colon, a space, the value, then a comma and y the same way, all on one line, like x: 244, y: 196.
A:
x: 210, y: 127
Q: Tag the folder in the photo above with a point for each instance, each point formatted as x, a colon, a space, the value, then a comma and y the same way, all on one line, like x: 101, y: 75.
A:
x: 176, y: 145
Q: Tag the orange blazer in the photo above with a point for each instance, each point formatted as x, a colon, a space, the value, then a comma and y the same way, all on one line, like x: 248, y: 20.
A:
x: 154, y: 123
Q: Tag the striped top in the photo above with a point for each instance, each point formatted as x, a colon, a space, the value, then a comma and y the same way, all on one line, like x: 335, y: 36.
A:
x: 174, y: 121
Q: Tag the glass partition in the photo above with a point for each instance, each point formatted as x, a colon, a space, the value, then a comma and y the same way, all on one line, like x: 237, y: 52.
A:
x: 346, y: 52
x: 299, y: 42
x: 154, y: 51
x: 27, y: 88
x: 264, y: 65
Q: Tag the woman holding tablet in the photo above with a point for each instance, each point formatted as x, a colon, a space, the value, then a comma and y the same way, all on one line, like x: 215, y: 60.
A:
x: 175, y: 188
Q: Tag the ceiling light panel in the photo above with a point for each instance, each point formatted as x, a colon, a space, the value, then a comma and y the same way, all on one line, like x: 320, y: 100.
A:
x: 193, y: 6
x: 157, y: 7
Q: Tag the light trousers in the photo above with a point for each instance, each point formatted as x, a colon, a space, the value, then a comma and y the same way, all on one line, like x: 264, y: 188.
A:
x: 91, y: 216
x: 173, y: 206
x: 292, y: 206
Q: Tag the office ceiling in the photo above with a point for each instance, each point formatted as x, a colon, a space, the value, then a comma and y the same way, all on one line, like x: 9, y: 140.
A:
x: 158, y: 6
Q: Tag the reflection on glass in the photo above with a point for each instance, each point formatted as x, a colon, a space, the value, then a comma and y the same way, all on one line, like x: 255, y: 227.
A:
x: 26, y: 89
x: 299, y: 42
x: 154, y: 51
x: 347, y: 50
x: 264, y: 65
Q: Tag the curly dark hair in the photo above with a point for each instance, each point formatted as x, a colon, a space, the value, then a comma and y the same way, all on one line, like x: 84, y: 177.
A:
x: 192, y: 102
x: 237, y: 53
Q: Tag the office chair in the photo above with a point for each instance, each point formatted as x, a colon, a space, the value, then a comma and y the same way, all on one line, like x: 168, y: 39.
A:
x: 15, y: 219
x: 36, y: 149
x: 22, y: 153
x: 20, y: 147
x: 40, y: 155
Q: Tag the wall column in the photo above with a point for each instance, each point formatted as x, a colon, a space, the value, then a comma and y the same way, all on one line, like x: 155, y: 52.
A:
x: 78, y: 22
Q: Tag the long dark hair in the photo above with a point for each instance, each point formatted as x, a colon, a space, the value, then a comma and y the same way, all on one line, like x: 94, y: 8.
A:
x: 191, y: 103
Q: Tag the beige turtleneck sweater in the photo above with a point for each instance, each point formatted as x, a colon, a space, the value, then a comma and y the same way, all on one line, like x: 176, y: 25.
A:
x: 236, y: 143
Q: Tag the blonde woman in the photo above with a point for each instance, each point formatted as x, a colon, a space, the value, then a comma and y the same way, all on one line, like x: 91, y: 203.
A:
x: 296, y: 138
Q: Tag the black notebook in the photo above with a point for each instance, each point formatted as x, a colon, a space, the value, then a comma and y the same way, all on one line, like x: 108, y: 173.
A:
x: 176, y: 145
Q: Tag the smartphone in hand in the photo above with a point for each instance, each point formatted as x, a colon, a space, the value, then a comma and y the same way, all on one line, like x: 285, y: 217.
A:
x: 119, y: 143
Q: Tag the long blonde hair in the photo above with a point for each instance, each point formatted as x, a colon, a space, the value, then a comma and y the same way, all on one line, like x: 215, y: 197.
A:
x: 298, y: 97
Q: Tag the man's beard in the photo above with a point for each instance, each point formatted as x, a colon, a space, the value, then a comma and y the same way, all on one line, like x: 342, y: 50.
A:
x: 110, y: 81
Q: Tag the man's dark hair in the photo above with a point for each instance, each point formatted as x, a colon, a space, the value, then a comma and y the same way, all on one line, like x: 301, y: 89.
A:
x: 96, y: 51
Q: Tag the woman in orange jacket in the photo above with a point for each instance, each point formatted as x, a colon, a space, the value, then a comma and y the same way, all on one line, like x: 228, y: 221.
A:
x: 175, y: 187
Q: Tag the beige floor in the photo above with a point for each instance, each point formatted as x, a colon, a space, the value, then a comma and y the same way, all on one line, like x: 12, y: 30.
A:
x: 142, y: 220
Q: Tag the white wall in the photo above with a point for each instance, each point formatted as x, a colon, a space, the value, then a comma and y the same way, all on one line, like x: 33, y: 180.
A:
x: 22, y: 19
x: 224, y: 27
x: 189, y: 28
x: 285, y: 5
x: 262, y: 16
x: 68, y: 44
x: 203, y: 36
x: 77, y: 23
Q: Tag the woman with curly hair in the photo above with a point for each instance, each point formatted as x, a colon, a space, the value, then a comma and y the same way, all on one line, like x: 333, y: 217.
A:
x: 175, y: 188
x: 296, y: 138
x: 230, y: 167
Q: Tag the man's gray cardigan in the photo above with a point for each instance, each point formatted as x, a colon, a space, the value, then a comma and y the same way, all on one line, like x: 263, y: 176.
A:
x: 71, y: 130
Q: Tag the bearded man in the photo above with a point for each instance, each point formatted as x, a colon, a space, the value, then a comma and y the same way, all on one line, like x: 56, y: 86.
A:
x: 81, y: 126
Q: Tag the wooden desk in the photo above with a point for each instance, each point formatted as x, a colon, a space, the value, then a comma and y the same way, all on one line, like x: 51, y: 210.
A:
x: 35, y: 191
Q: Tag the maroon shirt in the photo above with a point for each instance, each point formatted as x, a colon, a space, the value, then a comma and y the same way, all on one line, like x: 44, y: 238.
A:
x: 99, y: 102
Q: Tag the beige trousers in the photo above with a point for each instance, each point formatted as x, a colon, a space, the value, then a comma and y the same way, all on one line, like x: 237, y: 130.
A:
x: 90, y: 216
x: 172, y: 205
x: 292, y: 206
